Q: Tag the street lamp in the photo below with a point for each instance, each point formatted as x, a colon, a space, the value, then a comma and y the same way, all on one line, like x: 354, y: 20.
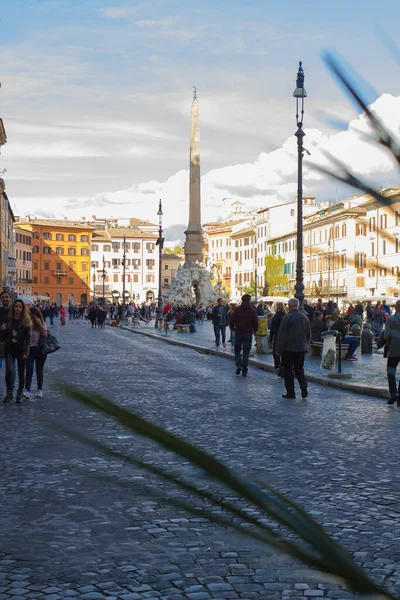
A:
x: 300, y: 93
x: 124, y: 270
x: 160, y: 244
x: 104, y: 280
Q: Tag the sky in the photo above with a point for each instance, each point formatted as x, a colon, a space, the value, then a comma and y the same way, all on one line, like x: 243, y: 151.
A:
x: 96, y: 97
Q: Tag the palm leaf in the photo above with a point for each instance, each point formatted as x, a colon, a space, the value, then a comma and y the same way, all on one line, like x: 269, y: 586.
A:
x: 333, y: 559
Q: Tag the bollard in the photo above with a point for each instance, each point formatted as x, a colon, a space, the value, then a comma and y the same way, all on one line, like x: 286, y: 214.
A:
x: 366, y: 339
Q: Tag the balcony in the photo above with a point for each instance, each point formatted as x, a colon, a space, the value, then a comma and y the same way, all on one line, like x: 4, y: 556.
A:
x: 59, y: 273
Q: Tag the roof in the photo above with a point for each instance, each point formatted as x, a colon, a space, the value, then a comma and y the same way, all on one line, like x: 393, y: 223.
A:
x: 130, y: 232
x: 100, y: 235
x: 57, y: 223
x: 145, y: 222
x: 243, y: 232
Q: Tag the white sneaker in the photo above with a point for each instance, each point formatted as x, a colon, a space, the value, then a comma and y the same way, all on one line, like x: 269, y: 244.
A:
x: 26, y: 394
x: 39, y: 394
x: 224, y: 345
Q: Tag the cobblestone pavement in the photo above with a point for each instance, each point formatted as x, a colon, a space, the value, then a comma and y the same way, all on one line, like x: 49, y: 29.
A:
x: 66, y: 531
x: 369, y: 367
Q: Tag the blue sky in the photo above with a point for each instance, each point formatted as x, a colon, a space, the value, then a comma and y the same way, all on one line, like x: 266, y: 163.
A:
x: 96, y: 94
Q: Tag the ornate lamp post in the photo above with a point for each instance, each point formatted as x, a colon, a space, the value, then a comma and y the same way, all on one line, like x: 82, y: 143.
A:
x: 300, y: 93
x: 104, y: 280
x: 124, y: 270
x: 160, y: 244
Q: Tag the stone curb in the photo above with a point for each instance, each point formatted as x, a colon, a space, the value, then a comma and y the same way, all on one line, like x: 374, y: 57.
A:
x: 342, y: 385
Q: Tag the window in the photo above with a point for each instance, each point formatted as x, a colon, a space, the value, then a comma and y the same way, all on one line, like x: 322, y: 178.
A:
x: 95, y: 247
x: 372, y: 224
x: 84, y: 251
x: 292, y: 212
x: 150, y: 262
x: 95, y: 264
x: 383, y: 221
x: 371, y: 272
x: 46, y: 266
x: 59, y: 280
x: 35, y: 265
x: 166, y: 267
x: 59, y: 237
x: 136, y: 263
x: 47, y: 236
x: 84, y: 238
x: 344, y: 230
x: 150, y: 278
x: 115, y: 277
x: 359, y: 260
x: 35, y: 235
x: 396, y: 244
x: 361, y: 229
x: 71, y: 280
x: 35, y: 249
x: 116, y: 246
x: 35, y: 280
x: 383, y: 272
x: 72, y: 251
x: 46, y: 280
x: 397, y: 218
x: 383, y: 247
x: 71, y: 237
x: 116, y: 262
x: 46, y: 250
x: 150, y: 247
x: 84, y: 266
x: 106, y: 248
x: 136, y: 247
x: 372, y: 248
x: 135, y: 278
x: 59, y: 250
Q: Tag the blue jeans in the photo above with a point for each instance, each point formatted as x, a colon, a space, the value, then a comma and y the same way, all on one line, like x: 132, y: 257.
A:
x: 242, y: 338
x: 353, y: 343
x: 219, y: 331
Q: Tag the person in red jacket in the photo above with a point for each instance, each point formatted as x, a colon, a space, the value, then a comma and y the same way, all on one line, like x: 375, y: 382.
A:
x: 244, y: 322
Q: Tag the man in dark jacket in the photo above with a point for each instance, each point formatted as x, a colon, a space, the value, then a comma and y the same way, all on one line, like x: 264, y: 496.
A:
x: 220, y: 321
x: 392, y: 335
x: 244, y: 322
x: 5, y: 312
x: 292, y: 343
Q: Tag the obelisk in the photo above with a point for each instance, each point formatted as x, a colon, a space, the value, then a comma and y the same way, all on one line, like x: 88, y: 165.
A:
x: 194, y: 245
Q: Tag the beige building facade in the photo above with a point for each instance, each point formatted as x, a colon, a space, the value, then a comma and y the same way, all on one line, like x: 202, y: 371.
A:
x: 7, y: 259
x: 23, y: 255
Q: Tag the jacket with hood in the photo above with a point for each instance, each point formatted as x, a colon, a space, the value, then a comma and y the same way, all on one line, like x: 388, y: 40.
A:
x: 244, y: 318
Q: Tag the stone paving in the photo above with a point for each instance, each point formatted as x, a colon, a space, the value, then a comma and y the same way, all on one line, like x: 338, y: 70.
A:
x: 67, y: 531
x: 368, y: 372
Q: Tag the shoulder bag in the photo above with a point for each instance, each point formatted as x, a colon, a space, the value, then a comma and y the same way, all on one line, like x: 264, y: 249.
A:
x: 49, y: 344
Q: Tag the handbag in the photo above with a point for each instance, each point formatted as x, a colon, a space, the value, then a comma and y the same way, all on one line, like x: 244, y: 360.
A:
x: 49, y: 344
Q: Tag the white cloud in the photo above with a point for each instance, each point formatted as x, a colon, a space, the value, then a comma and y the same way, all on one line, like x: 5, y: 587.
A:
x: 115, y: 12
x: 270, y: 179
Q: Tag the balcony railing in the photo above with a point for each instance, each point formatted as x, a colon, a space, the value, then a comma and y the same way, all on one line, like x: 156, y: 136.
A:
x: 59, y: 273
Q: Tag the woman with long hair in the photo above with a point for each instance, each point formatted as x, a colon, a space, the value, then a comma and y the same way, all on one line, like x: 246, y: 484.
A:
x: 17, y: 333
x: 35, y: 357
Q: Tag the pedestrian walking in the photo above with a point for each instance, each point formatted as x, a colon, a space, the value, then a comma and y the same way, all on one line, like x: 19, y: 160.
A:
x: 292, y: 344
x: 35, y: 358
x: 377, y: 319
x: 17, y: 334
x: 62, y: 315
x: 220, y: 321
x: 392, y: 337
x: 276, y: 321
x: 244, y: 323
x: 5, y: 309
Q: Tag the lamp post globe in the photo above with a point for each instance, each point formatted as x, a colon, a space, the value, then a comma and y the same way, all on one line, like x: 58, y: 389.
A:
x: 299, y: 94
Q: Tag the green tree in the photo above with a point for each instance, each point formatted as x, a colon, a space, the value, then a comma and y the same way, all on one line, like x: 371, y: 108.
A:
x: 177, y: 250
x: 273, y: 274
x: 251, y: 288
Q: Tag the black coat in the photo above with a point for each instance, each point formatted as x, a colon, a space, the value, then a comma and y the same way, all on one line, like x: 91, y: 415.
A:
x: 23, y: 336
x: 275, y: 324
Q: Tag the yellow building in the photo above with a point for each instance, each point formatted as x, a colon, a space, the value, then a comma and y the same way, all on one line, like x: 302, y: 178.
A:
x: 7, y: 260
x: 169, y: 267
x: 60, y: 259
